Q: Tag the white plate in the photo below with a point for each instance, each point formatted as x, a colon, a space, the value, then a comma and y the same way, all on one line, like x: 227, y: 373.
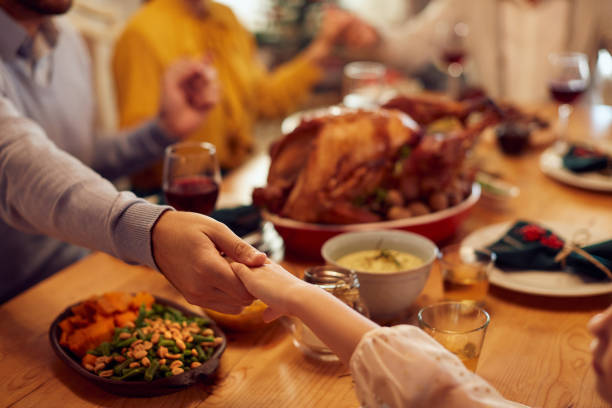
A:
x: 537, y: 282
x: 551, y: 164
x: 292, y: 121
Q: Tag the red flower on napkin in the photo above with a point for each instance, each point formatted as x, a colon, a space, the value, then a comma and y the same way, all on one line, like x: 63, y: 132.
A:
x: 532, y: 232
x: 552, y: 241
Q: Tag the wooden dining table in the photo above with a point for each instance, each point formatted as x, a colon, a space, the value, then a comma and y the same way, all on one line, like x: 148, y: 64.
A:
x: 536, y: 350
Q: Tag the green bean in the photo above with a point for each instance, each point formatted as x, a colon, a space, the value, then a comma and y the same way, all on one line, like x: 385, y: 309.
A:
x: 126, y: 342
x: 201, y: 339
x: 157, y: 308
x: 142, y: 313
x: 132, y: 373
x: 118, y: 331
x: 168, y: 374
x: 169, y: 316
x: 174, y: 349
x: 105, y: 348
x: 151, y: 371
x: 118, y: 369
x: 140, y: 334
x: 201, y: 321
x: 163, y: 368
x: 167, y: 343
x: 177, y: 313
x: 201, y: 354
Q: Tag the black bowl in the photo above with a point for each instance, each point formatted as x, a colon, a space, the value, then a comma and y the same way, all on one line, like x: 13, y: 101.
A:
x: 153, y: 388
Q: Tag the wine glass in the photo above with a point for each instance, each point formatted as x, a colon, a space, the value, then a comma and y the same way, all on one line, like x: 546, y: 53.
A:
x: 569, y: 79
x: 363, y: 83
x: 191, y: 177
x: 452, y: 43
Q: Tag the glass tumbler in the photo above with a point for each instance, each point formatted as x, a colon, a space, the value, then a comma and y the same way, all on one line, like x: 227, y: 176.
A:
x: 459, y: 327
x: 343, y: 284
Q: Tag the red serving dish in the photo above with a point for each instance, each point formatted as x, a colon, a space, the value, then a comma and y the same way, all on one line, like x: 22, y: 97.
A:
x: 306, y: 239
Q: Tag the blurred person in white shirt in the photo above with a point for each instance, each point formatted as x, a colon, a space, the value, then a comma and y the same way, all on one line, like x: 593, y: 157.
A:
x: 509, y: 41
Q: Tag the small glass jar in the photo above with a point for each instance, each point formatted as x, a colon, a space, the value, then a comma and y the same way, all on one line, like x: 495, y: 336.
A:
x: 343, y: 284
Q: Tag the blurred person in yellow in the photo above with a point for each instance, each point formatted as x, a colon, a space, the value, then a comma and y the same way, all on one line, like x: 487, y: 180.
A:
x: 163, y: 31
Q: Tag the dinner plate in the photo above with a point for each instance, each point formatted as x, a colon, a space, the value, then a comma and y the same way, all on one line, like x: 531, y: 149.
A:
x: 292, y: 121
x: 153, y: 388
x: 551, y: 164
x: 538, y: 282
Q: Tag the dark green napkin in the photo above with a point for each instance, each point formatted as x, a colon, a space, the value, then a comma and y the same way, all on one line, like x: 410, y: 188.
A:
x: 581, y: 159
x: 242, y: 220
x: 527, y: 245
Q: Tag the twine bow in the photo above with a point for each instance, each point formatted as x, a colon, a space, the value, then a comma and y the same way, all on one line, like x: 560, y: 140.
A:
x: 580, y: 238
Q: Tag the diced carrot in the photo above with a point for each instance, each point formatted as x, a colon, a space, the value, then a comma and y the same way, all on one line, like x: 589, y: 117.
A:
x: 88, y: 359
x: 113, y: 302
x: 140, y: 298
x: 123, y: 318
x: 66, y: 325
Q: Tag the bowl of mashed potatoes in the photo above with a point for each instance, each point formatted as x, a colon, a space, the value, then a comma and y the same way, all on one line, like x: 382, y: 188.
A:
x: 392, y: 267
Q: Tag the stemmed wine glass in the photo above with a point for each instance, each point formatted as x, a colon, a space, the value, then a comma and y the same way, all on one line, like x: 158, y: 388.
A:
x: 191, y: 177
x: 569, y: 79
x: 452, y: 42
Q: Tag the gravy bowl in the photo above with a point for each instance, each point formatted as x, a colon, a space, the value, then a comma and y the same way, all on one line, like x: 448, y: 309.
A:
x: 386, y: 294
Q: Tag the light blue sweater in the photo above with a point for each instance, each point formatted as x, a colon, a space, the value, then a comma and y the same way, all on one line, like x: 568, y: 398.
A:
x: 36, y: 193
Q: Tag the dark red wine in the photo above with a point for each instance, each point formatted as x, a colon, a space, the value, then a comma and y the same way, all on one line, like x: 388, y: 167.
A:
x: 453, y: 57
x: 567, y: 92
x: 196, y: 194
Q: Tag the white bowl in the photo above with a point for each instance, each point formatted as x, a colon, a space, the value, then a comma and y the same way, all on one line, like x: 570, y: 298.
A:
x: 385, y: 294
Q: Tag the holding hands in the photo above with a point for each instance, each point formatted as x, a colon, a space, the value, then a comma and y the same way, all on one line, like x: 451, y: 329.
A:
x: 341, y: 27
x: 187, y: 249
x: 190, y: 89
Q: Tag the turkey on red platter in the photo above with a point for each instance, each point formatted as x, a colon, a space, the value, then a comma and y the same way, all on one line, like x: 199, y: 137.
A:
x: 373, y: 165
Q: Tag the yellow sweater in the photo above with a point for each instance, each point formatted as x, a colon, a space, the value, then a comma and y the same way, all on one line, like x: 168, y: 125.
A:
x: 165, y: 30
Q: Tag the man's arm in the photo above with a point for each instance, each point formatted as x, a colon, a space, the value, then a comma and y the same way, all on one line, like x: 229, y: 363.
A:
x: 45, y: 190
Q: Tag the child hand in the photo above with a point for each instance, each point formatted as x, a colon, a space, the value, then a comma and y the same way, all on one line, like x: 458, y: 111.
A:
x: 273, y: 285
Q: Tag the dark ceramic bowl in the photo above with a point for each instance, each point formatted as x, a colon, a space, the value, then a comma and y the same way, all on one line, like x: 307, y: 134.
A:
x: 153, y: 388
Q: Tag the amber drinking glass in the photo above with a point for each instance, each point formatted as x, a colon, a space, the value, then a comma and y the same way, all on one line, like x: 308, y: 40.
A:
x: 459, y: 327
x: 465, y: 273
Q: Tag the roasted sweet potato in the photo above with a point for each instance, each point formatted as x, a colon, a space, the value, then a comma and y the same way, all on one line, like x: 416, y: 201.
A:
x: 94, y: 320
x: 140, y: 298
x: 122, y: 319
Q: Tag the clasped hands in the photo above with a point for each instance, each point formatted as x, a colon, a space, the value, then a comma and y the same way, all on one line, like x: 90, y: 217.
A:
x: 188, y: 248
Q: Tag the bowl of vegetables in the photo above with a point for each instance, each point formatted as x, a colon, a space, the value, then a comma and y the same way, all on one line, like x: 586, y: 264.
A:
x: 137, y: 345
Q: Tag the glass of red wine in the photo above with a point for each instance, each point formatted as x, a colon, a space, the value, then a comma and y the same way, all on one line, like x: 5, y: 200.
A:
x: 191, y: 177
x: 452, y: 43
x: 569, y: 79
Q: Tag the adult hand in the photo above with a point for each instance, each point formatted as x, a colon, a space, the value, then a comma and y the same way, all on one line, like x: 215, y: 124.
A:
x: 341, y: 27
x: 189, y: 90
x: 186, y: 248
x: 333, y: 24
x: 360, y: 35
x: 264, y: 283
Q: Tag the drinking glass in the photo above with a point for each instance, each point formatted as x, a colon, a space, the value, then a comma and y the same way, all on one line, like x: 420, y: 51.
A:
x: 341, y: 283
x: 569, y: 78
x: 459, y: 327
x: 465, y: 273
x: 191, y: 177
x: 363, y: 83
x: 452, y: 43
